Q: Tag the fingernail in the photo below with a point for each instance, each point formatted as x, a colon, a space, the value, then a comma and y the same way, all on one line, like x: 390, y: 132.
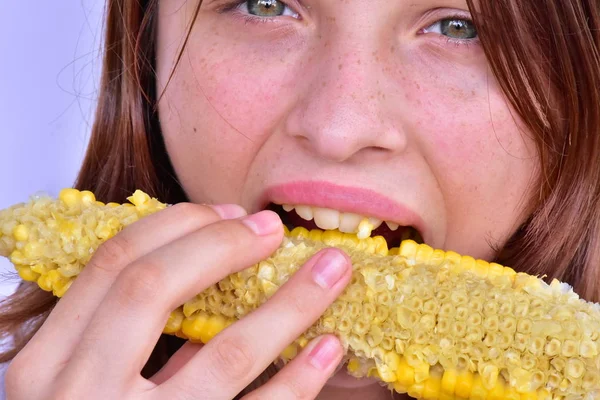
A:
x: 228, y: 211
x: 329, y: 268
x: 325, y: 353
x: 263, y: 223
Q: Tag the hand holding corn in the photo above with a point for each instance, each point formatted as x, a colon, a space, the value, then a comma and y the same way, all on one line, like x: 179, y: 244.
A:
x: 98, y: 337
x: 433, y: 324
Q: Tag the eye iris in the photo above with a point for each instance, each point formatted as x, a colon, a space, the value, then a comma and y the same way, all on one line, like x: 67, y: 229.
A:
x: 459, y: 29
x: 266, y: 8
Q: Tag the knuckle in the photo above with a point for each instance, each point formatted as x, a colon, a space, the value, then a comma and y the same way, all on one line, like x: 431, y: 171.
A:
x: 191, y: 211
x: 223, y: 233
x: 17, y: 378
x: 296, y: 302
x: 140, y: 283
x: 113, y: 255
x: 232, y: 358
x: 295, y: 389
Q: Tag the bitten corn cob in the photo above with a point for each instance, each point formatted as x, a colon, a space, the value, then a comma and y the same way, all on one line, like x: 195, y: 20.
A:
x: 433, y: 324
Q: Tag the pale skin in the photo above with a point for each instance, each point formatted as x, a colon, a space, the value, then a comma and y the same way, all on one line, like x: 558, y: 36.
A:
x: 363, y: 94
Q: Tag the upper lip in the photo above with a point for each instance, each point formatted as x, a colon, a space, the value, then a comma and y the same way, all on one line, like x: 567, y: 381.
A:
x: 360, y: 201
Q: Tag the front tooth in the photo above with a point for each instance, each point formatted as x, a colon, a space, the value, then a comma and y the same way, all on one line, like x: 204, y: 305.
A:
x: 393, y: 226
x: 326, y: 218
x: 375, y: 222
x: 349, y: 222
x: 305, y: 212
x: 287, y: 207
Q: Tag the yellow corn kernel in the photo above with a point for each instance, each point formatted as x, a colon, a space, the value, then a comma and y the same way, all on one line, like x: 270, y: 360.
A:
x: 467, y: 263
x: 432, y: 323
x: 437, y: 257
x: 464, y: 384
x: 174, y: 322
x: 87, y: 197
x: 449, y: 380
x: 405, y: 373
x: 315, y: 234
x: 27, y: 274
x: 381, y: 246
x: 194, y: 326
x: 353, y: 365
x: 431, y: 391
x: 364, y: 229
x: 495, y: 270
x: 70, y: 197
x: 528, y: 396
x: 289, y: 352
x: 416, y: 390
x: 330, y: 238
x: 214, y: 325
x: 408, y: 249
x: 21, y: 232
x: 394, y: 251
x: 424, y: 253
x: 44, y: 283
x: 481, y: 267
x: 446, y: 396
x: 478, y: 391
x: 59, y: 288
x: 497, y: 392
x: 299, y: 232
x: 512, y: 394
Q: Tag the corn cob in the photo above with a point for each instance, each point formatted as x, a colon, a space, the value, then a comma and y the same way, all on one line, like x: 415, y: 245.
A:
x: 427, y: 322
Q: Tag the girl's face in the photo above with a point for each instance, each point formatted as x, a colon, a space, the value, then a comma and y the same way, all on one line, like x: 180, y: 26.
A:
x: 381, y: 108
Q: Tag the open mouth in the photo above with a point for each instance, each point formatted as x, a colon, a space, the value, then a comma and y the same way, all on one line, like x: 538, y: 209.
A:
x: 310, y: 217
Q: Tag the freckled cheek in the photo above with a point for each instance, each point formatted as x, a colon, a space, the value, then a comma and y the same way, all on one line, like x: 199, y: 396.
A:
x: 245, y: 92
x: 468, y: 131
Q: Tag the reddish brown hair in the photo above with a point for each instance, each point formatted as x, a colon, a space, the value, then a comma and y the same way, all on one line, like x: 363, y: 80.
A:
x: 544, y: 54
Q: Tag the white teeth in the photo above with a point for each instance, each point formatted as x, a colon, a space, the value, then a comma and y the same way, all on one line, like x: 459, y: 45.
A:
x: 393, y: 226
x: 326, y: 218
x: 305, y: 212
x: 349, y: 222
x: 375, y: 222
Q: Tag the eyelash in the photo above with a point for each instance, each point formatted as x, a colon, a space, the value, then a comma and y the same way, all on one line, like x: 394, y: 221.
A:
x: 234, y: 5
x: 454, y: 41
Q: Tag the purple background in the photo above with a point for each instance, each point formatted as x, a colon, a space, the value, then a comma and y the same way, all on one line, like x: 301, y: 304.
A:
x: 49, y: 65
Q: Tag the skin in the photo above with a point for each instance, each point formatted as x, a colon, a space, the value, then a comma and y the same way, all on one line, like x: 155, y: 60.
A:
x: 353, y: 93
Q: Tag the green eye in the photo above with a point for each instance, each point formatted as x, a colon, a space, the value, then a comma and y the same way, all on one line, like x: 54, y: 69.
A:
x: 458, y: 29
x: 266, y: 8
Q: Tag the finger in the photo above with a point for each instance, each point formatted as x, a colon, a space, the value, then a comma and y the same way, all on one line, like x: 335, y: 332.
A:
x: 177, y: 360
x: 304, y: 377
x: 137, y: 306
x: 75, y: 310
x: 242, y: 351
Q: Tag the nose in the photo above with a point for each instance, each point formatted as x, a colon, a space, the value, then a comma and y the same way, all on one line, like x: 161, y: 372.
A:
x: 346, y: 105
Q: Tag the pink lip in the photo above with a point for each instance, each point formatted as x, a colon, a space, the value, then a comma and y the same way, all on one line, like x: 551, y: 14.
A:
x: 346, y: 199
